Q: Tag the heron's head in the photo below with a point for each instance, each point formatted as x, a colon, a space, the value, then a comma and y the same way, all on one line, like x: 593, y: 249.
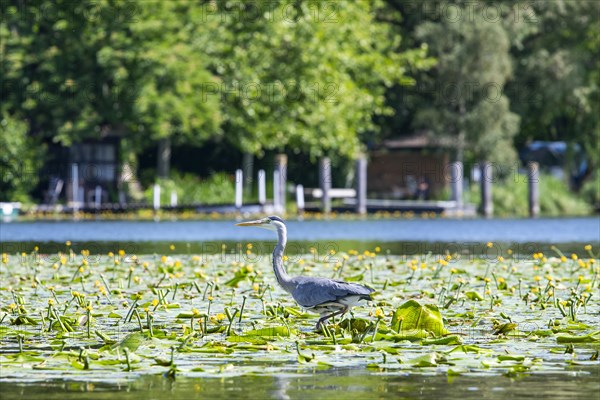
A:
x: 270, y: 223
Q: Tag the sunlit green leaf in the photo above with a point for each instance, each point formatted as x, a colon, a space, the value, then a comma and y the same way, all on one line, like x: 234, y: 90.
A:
x: 414, y: 316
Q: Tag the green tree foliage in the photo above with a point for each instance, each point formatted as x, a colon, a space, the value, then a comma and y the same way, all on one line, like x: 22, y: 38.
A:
x: 556, y: 90
x: 541, y: 56
x: 169, y: 39
x: 77, y: 70
x: 304, y: 76
x: 20, y: 160
x: 461, y: 100
x: 53, y: 73
x: 295, y: 75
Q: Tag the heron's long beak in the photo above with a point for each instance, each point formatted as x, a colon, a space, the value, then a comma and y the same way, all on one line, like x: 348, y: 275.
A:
x: 250, y: 223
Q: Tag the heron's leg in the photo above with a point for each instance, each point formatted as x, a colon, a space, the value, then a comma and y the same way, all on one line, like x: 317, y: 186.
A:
x: 326, y: 317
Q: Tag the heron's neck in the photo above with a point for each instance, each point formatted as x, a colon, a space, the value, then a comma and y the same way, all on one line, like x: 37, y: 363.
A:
x: 283, y: 278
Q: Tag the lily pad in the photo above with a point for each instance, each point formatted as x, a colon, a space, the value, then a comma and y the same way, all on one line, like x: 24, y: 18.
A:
x: 283, y: 331
x: 414, y: 316
x: 131, y: 341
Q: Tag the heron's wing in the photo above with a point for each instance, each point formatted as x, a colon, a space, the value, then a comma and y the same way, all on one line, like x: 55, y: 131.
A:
x: 310, y: 292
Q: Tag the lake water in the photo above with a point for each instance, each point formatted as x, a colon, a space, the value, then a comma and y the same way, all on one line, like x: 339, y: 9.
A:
x: 346, y: 384
x: 335, y: 383
x: 547, y: 230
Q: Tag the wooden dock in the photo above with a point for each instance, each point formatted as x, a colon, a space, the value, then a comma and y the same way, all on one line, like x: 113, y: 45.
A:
x: 448, y: 208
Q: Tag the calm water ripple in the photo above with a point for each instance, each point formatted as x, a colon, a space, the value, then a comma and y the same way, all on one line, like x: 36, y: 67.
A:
x: 563, y: 230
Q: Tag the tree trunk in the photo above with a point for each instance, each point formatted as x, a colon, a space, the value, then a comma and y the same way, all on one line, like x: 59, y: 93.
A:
x: 164, y: 158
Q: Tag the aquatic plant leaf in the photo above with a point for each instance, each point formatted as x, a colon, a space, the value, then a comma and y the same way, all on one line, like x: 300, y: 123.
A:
x: 24, y: 358
x: 469, y: 348
x: 359, y: 324
x: 427, y: 360
x: 510, y: 357
x: 472, y: 295
x: 294, y: 311
x: 233, y: 282
x: 355, y: 278
x: 504, y: 328
x: 447, y: 340
x: 112, y: 361
x: 212, y: 347
x: 239, y: 276
x: 162, y: 362
x: 131, y: 341
x: 23, y: 320
x: 80, y: 365
x: 186, y: 315
x: 543, y: 332
x: 246, y: 339
x: 303, y: 358
x: 382, y: 346
x: 271, y: 331
x: 322, y: 366
x: 412, y: 335
x: 593, y: 337
x: 416, y: 316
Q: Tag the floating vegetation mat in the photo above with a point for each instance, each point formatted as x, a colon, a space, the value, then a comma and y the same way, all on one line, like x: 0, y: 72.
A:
x: 115, y: 316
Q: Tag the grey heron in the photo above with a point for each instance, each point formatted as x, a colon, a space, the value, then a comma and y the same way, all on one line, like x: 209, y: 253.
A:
x: 327, y: 297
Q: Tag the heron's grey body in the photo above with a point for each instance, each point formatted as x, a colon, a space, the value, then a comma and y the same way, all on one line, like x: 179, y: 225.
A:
x: 324, y: 296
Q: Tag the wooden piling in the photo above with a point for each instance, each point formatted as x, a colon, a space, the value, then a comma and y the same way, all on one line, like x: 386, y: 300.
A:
x: 262, y: 187
x: 361, y: 185
x: 239, y: 186
x: 456, y: 183
x: 487, y: 205
x: 75, y: 187
x: 300, y: 199
x: 98, y: 197
x: 281, y: 166
x: 325, y: 184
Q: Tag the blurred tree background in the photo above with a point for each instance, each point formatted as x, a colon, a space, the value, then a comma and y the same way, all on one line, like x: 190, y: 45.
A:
x: 309, y: 78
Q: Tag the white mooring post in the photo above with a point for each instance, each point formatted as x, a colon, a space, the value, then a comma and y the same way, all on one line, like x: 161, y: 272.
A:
x: 262, y: 187
x: 75, y: 187
x: 239, y: 187
x: 156, y: 202
x: 361, y: 185
x: 325, y: 183
x: 173, y: 199
x: 81, y: 196
x: 487, y: 176
x: 281, y: 167
x: 533, y: 180
x: 98, y: 197
x: 456, y: 183
x: 300, y: 199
